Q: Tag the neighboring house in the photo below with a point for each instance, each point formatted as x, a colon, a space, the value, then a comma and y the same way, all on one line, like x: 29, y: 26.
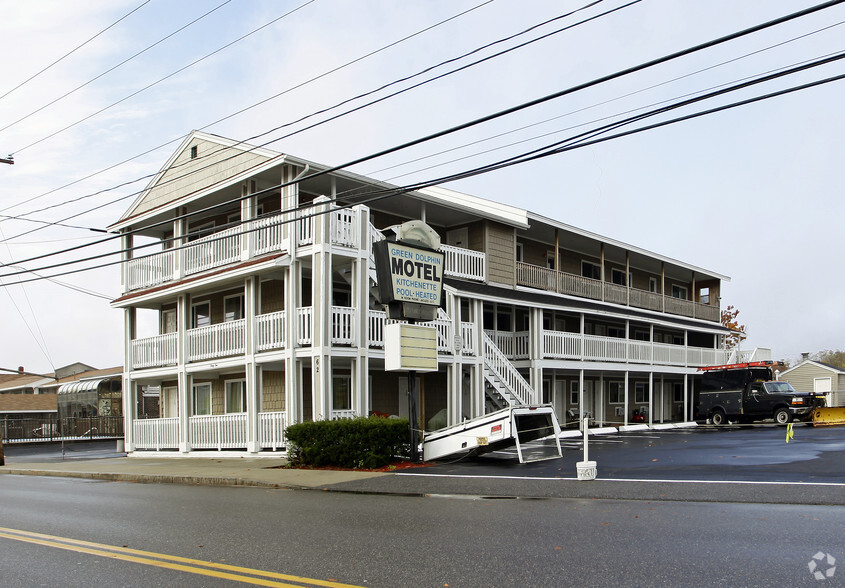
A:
x: 84, y: 401
x: 821, y: 378
x: 261, y: 286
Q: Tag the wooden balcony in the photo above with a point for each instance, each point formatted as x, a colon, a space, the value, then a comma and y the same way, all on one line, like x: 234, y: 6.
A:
x: 551, y: 280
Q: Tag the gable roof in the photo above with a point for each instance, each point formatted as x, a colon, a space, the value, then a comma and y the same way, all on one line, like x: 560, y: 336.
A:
x: 187, y: 172
x: 818, y: 364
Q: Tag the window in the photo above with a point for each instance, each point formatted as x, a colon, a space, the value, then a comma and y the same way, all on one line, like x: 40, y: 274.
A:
x: 641, y: 335
x: 679, y: 292
x: 233, y: 308
x: 616, y: 332
x: 341, y: 393
x: 615, y: 393
x: 640, y: 393
x: 194, y: 150
x: 519, y: 251
x: 235, y: 396
x: 202, y: 399
x: 590, y: 270
x: 704, y: 296
x: 573, y: 393
x: 200, y: 314
x: 200, y: 231
x: 652, y: 285
x: 168, y: 321
x: 233, y: 218
x: 618, y: 277
x: 550, y: 259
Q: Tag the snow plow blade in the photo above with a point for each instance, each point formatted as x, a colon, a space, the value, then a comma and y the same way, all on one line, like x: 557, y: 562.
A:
x: 828, y: 417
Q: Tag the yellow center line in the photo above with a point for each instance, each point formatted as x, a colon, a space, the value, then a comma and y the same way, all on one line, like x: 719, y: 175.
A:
x: 128, y: 554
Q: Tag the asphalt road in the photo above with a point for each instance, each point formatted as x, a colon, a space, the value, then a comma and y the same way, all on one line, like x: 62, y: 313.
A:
x: 386, y: 540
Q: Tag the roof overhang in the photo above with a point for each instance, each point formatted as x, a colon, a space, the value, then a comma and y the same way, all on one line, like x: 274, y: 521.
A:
x: 82, y: 386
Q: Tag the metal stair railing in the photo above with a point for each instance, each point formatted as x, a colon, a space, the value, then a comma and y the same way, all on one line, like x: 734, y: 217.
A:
x: 505, y: 373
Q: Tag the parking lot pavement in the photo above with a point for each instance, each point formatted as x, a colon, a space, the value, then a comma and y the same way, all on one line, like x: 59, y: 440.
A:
x: 751, y: 463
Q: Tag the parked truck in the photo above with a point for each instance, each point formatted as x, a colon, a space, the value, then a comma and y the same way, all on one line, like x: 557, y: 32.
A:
x: 746, y: 392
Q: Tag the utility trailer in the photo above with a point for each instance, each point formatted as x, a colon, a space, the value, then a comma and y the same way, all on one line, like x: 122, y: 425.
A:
x: 515, y: 425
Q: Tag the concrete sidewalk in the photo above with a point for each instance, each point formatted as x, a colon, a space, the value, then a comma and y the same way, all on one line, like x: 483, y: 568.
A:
x: 225, y: 471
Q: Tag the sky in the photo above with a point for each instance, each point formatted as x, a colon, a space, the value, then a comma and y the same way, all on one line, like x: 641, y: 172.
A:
x: 95, y: 96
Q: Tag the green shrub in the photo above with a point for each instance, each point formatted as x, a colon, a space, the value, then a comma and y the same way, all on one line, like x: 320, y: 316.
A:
x: 349, y: 443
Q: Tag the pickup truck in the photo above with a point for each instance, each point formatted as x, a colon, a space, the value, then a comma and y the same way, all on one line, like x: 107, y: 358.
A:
x: 748, y: 392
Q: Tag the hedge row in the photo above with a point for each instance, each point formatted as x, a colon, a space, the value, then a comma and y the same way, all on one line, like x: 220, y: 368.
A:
x: 349, y: 443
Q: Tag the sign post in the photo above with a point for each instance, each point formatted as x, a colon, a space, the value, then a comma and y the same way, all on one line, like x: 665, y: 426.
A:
x: 410, y: 280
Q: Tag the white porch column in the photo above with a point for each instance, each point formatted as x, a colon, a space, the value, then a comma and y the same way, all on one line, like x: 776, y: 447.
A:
x: 651, y: 398
x: 129, y: 398
x: 686, y: 398
x: 581, y: 396
x: 251, y: 370
x: 360, y: 323
x: 600, y: 408
x: 183, y: 380
x: 321, y: 284
x: 293, y: 397
x: 535, y: 350
x: 478, y: 383
x: 625, y: 419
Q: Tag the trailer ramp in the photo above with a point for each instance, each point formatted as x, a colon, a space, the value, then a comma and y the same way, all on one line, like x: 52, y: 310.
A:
x: 512, y: 426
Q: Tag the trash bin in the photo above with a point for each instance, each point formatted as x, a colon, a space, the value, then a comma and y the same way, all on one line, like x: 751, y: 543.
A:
x: 120, y: 446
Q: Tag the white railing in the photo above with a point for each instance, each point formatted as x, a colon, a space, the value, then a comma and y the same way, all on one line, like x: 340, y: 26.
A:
x: 269, y: 233
x: 464, y: 263
x: 156, y: 433
x: 218, y: 431
x: 150, y: 270
x: 375, y: 328
x: 343, y: 414
x: 344, y: 227
x: 468, y: 339
x: 271, y: 329
x: 504, y: 370
x: 343, y: 325
x: 212, y: 251
x: 271, y: 430
x: 304, y: 325
x: 560, y: 345
x: 515, y: 345
x: 304, y: 229
x: 154, y: 351
x: 217, y: 340
x: 443, y: 324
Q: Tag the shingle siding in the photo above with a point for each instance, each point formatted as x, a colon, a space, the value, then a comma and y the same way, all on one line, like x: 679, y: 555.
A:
x: 501, y: 254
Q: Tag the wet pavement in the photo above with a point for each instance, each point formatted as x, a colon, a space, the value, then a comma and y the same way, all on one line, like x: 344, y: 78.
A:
x: 727, y: 464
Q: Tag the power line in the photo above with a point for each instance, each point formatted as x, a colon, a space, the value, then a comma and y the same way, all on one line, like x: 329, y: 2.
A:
x: 178, y: 71
x: 368, y: 93
x: 505, y: 112
x: 313, y: 79
x: 26, y: 81
x: 585, y: 139
x: 111, y: 69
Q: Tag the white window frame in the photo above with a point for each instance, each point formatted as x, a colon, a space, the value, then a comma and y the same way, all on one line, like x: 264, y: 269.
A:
x: 653, y: 285
x: 617, y: 389
x: 617, y: 272
x: 195, y: 392
x: 640, y: 393
x: 227, y: 384
x: 242, y: 309
x: 680, y: 292
x: 574, y: 393
x: 194, y: 306
x: 550, y: 260
x: 348, y: 380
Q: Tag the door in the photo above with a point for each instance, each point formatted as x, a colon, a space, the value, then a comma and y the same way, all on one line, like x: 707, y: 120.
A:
x: 824, y: 386
x: 458, y: 238
x: 170, y: 406
x: 757, y: 402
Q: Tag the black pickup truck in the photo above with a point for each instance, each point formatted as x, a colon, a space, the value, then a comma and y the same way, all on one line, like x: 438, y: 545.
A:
x: 748, y: 392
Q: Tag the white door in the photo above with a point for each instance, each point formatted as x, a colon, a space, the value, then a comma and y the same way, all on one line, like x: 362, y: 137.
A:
x: 458, y: 238
x: 170, y: 406
x: 824, y: 386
